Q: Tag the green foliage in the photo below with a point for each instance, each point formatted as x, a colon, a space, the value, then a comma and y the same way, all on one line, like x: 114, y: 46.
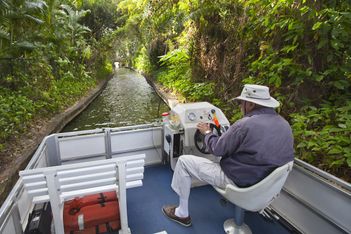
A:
x: 16, y: 17
x: 306, y: 43
x: 39, y: 96
x: 177, y: 77
x: 66, y: 91
x: 323, y: 135
x: 71, y: 23
x: 15, y: 111
x: 142, y: 62
x: 48, y: 60
x: 103, y: 17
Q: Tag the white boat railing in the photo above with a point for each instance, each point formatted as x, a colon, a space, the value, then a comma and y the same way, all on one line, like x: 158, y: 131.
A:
x: 59, y: 149
x: 61, y: 183
x: 314, y: 201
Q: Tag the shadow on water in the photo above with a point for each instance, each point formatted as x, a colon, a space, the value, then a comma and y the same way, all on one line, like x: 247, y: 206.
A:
x: 127, y: 100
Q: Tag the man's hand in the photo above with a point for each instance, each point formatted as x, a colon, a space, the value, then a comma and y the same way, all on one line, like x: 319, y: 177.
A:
x: 204, y: 128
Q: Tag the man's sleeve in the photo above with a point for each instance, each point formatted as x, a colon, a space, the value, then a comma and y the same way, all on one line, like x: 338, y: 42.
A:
x: 228, y: 143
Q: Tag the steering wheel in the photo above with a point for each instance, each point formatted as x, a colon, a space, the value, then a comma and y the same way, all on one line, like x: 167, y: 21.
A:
x: 199, y: 139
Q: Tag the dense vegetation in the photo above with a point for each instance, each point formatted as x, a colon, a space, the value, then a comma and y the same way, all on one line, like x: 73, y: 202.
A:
x: 51, y: 54
x: 207, y: 50
x: 53, y: 51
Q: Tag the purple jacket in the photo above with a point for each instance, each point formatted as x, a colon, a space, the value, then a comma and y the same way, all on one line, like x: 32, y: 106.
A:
x: 253, y: 146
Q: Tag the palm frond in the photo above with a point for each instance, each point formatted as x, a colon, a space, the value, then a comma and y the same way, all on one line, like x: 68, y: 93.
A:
x: 67, y: 9
x: 37, y: 6
x: 4, y: 4
x: 4, y: 19
x: 4, y: 34
x: 39, y: 21
x: 24, y: 45
x: 82, y: 30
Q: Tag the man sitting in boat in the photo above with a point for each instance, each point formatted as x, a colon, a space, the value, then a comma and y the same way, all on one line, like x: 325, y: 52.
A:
x: 251, y: 149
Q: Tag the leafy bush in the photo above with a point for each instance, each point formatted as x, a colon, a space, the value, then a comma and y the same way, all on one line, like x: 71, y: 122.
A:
x: 142, y: 62
x: 177, y: 77
x: 305, y: 43
x: 323, y: 135
x: 40, y: 96
x: 15, y: 112
x: 49, y: 58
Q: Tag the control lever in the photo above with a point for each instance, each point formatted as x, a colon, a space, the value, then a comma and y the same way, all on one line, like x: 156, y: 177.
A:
x: 215, y: 119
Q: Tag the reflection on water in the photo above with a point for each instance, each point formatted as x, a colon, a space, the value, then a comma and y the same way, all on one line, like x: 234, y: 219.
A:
x: 127, y: 100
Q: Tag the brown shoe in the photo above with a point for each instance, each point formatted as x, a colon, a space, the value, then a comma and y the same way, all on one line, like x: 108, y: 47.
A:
x: 169, y: 211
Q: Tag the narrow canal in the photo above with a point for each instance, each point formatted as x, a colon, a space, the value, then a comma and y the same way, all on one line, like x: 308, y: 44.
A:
x: 127, y: 100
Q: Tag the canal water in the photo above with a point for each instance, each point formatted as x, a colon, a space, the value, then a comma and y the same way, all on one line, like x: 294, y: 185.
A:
x: 127, y: 100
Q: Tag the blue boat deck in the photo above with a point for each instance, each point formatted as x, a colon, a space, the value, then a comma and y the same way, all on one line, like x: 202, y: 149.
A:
x: 208, y: 215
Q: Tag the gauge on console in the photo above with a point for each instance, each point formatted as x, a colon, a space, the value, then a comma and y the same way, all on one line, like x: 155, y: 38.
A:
x: 192, y: 116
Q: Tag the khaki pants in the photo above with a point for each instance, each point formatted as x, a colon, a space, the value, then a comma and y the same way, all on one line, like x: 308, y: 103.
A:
x: 193, y: 167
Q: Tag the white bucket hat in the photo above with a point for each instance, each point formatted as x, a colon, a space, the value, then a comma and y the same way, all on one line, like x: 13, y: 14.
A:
x: 258, y: 94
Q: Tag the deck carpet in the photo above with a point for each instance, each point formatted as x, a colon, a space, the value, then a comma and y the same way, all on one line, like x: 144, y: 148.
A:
x: 207, y: 213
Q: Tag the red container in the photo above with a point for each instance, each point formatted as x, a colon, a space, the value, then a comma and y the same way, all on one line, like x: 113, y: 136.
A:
x: 91, y: 213
x: 78, y: 203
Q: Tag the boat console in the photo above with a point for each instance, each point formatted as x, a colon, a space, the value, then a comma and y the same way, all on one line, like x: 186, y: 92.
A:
x: 180, y: 132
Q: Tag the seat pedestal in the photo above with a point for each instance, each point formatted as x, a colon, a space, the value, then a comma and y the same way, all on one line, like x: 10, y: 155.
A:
x: 230, y: 227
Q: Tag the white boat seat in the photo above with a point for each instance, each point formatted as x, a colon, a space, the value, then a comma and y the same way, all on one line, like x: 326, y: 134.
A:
x: 58, y: 184
x: 253, y: 198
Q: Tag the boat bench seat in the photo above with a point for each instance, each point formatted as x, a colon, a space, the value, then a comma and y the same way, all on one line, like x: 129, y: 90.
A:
x: 58, y: 184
